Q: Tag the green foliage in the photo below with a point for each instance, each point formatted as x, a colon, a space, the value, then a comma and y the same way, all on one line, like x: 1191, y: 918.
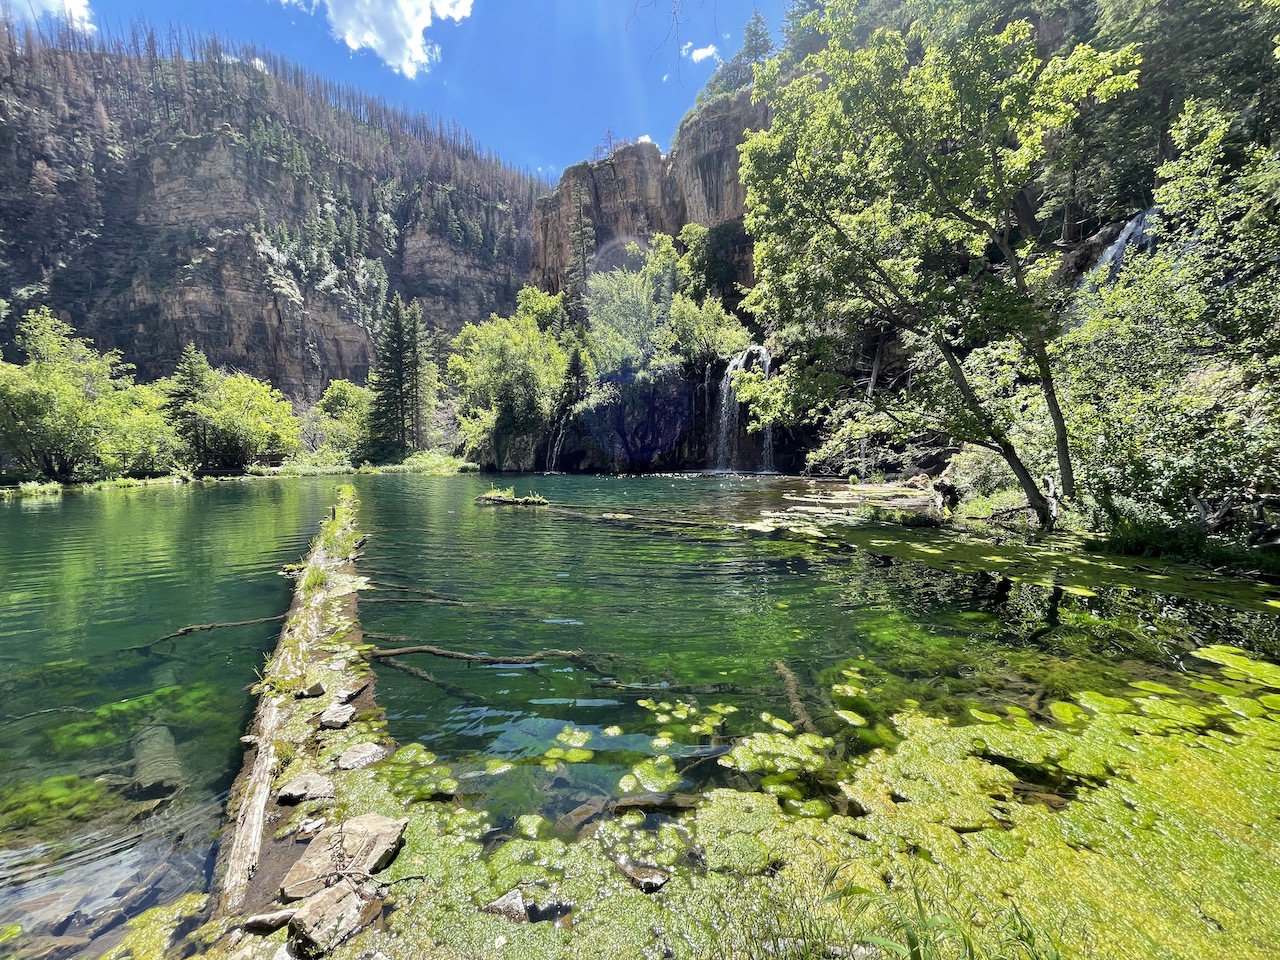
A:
x: 863, y: 224
x: 509, y: 373
x: 72, y: 413
x: 227, y: 421
x: 404, y: 385
x: 1173, y: 363
x: 336, y: 430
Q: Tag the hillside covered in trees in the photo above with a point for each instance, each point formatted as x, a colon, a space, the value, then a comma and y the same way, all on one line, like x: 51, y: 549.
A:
x: 160, y: 188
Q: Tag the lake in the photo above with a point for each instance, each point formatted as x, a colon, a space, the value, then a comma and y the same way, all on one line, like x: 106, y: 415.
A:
x: 648, y: 596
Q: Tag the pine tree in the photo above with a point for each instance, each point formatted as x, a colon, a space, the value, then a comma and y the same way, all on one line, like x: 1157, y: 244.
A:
x: 582, y: 247
x: 398, y: 412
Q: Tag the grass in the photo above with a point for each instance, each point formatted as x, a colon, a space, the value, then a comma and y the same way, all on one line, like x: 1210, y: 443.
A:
x: 508, y: 497
x: 31, y: 489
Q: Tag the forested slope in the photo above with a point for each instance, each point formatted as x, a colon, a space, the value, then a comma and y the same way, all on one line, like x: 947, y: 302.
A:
x: 160, y: 188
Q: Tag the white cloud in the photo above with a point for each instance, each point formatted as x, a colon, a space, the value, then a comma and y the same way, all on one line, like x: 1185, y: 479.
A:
x: 76, y: 12
x: 684, y: 51
x: 644, y: 138
x: 392, y: 29
x: 703, y: 52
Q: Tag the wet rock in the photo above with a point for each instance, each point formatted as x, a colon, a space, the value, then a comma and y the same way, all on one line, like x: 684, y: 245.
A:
x: 646, y: 879
x: 331, y: 916
x: 361, y: 755
x: 579, y: 816
x: 308, y: 786
x: 517, y: 909
x: 351, y: 691
x: 313, y: 689
x: 510, y: 905
x: 268, y: 922
x: 656, y: 801
x: 361, y: 846
x: 337, y: 716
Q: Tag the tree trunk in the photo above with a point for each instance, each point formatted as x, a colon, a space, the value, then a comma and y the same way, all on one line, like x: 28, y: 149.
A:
x: 1044, y: 510
x: 1060, y: 439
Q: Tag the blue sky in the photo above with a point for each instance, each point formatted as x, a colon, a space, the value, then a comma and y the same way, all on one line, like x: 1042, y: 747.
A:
x: 538, y: 81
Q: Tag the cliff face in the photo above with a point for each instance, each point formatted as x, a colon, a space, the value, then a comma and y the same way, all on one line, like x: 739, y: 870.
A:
x: 636, y: 191
x: 237, y: 205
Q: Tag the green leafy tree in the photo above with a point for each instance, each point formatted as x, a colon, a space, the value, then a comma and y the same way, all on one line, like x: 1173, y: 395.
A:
x: 72, y: 413
x: 227, y: 421
x: 884, y: 197
x: 336, y: 429
x: 510, y: 376
x: 1174, y: 377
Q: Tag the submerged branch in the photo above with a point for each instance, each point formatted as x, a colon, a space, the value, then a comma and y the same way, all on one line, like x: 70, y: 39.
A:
x: 791, y: 686
x: 198, y: 627
x: 580, y: 657
x: 703, y: 688
x: 451, y: 689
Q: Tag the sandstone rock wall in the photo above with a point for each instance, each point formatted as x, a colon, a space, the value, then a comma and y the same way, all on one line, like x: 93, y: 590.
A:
x: 636, y: 190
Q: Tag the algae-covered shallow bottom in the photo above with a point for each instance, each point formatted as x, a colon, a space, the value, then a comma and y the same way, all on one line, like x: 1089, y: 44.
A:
x: 882, y: 733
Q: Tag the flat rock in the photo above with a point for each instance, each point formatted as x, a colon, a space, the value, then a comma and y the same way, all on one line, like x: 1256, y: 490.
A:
x: 331, y: 916
x: 510, y: 905
x: 646, y: 879
x: 351, y: 691
x: 268, y: 922
x: 337, y: 716
x: 361, y: 755
x: 311, y: 690
x: 308, y: 786
x: 361, y: 846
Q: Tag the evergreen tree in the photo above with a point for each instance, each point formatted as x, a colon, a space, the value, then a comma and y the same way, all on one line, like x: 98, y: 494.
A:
x: 397, y: 414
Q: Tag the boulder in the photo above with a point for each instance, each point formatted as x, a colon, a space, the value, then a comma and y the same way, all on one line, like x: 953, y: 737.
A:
x: 332, y: 915
x: 355, y: 849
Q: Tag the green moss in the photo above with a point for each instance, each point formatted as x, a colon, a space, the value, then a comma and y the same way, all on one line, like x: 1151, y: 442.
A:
x: 149, y: 935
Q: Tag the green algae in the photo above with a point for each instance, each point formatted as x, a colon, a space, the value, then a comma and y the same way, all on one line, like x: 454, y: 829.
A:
x: 43, y: 809
x: 150, y: 935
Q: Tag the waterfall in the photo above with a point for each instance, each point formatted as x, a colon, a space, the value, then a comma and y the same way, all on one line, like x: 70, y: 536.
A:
x: 1136, y: 234
x: 727, y: 435
x: 555, y: 442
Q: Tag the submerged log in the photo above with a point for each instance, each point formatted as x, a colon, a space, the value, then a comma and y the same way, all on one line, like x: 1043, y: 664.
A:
x: 791, y: 686
x: 157, y: 768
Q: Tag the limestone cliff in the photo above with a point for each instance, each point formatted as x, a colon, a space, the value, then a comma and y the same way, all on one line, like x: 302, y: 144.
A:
x: 636, y: 190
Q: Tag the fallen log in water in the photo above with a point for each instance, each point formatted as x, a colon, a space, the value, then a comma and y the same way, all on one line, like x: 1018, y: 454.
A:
x: 157, y: 768
x: 791, y: 687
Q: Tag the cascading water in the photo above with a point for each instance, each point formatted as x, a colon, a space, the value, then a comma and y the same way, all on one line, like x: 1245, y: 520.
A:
x: 726, y: 458
x: 555, y: 442
x: 1136, y: 234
